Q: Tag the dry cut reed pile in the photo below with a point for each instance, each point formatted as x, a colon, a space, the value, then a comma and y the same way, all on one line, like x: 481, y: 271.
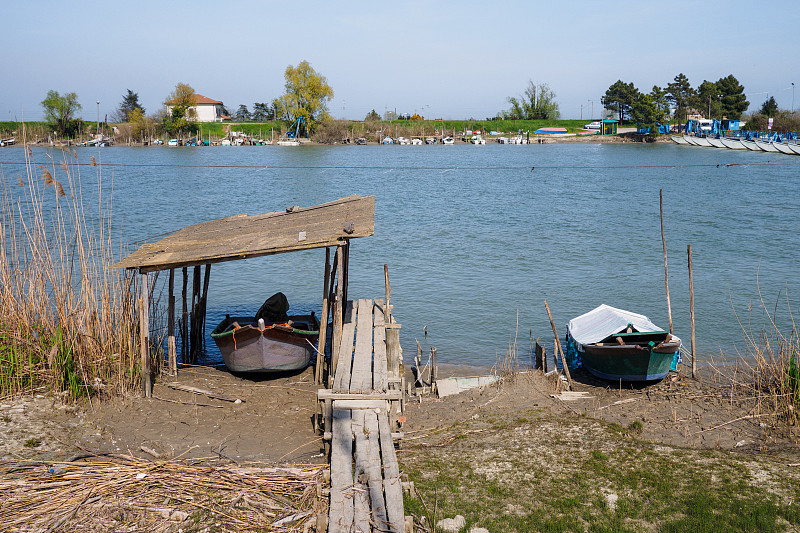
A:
x: 68, y: 321
x: 123, y: 493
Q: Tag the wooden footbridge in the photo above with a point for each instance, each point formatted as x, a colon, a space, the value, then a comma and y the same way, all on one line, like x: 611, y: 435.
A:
x: 359, y: 405
x: 361, y: 409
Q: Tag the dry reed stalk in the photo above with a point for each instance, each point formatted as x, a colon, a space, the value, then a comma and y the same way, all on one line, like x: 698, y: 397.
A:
x: 120, y: 492
x: 67, y: 319
x: 766, y: 378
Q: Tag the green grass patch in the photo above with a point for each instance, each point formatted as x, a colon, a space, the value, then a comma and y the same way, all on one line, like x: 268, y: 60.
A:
x: 518, y: 478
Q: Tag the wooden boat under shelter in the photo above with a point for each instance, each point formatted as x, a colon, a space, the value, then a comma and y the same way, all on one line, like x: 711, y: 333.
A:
x: 360, y: 403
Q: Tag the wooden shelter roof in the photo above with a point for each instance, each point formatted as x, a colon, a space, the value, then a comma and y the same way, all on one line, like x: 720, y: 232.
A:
x: 243, y: 236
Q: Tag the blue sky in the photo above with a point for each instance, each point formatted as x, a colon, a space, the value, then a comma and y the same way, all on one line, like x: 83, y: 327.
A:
x: 442, y: 59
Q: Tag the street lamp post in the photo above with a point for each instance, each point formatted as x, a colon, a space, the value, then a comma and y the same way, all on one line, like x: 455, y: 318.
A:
x: 98, y: 116
x: 793, y: 98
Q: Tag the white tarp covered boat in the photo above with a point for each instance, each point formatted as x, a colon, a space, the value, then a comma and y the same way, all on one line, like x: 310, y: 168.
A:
x: 617, y: 345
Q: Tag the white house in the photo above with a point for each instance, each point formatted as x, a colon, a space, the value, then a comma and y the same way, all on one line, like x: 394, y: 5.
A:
x: 206, y: 110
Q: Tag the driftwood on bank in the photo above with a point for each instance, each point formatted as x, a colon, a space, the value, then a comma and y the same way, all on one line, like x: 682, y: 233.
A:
x: 210, y: 394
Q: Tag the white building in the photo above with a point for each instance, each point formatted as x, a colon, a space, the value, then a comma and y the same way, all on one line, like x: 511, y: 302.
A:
x: 206, y: 110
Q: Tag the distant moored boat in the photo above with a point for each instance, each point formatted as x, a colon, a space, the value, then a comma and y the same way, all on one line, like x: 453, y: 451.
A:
x: 733, y: 144
x: 767, y: 147
x: 783, y: 148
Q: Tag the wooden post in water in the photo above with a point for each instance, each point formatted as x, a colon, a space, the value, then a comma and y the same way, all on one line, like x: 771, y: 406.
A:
x: 664, y: 244
x: 691, y: 310
x: 331, y: 310
x: 392, y: 330
x: 539, y: 363
x: 173, y: 357
x: 323, y: 327
x: 194, y: 348
x: 346, y: 271
x: 185, y: 320
x: 558, y: 347
x: 202, y: 328
x: 144, y: 335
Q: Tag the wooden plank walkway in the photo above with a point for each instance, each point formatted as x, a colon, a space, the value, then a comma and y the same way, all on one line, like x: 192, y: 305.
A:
x: 366, y: 491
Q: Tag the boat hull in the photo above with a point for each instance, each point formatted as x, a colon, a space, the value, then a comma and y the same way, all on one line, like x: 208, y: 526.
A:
x: 275, y: 348
x: 795, y: 148
x: 783, y: 148
x: 716, y: 143
x: 702, y: 141
x: 629, y: 363
x: 733, y: 144
x: 767, y: 147
x: 750, y: 145
x: 678, y: 139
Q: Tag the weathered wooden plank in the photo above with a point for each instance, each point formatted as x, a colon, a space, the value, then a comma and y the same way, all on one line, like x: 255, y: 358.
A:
x: 360, y: 404
x: 374, y: 471
x: 392, y: 486
x: 361, y: 378
x: 341, y: 381
x: 341, y: 506
x: 244, y: 236
x: 380, y: 379
x: 360, y: 492
x: 327, y: 394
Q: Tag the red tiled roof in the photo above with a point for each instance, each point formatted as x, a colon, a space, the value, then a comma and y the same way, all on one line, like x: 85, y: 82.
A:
x: 200, y: 99
x: 205, y: 99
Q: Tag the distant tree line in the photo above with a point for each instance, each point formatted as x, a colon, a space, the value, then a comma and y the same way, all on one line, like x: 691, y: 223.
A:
x: 724, y: 97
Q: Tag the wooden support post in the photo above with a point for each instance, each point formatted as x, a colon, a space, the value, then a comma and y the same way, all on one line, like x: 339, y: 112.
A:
x: 185, y: 320
x: 206, y: 280
x: 346, y: 270
x: 387, y: 310
x: 323, y: 327
x: 539, y: 362
x: 338, y: 310
x: 559, y: 349
x: 194, y: 349
x: 331, y: 301
x: 173, y: 357
x: 392, y: 331
x: 664, y: 244
x: 144, y: 334
x: 433, y: 373
x: 691, y: 311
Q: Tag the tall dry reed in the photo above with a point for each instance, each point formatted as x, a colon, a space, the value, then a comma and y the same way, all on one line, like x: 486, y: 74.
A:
x: 766, y: 377
x: 68, y: 321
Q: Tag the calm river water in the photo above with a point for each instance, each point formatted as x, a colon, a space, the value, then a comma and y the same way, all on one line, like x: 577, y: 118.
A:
x: 476, y: 237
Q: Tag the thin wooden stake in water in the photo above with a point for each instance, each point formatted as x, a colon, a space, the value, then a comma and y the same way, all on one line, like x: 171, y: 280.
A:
x: 691, y: 310
x: 559, y: 349
x: 664, y: 244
